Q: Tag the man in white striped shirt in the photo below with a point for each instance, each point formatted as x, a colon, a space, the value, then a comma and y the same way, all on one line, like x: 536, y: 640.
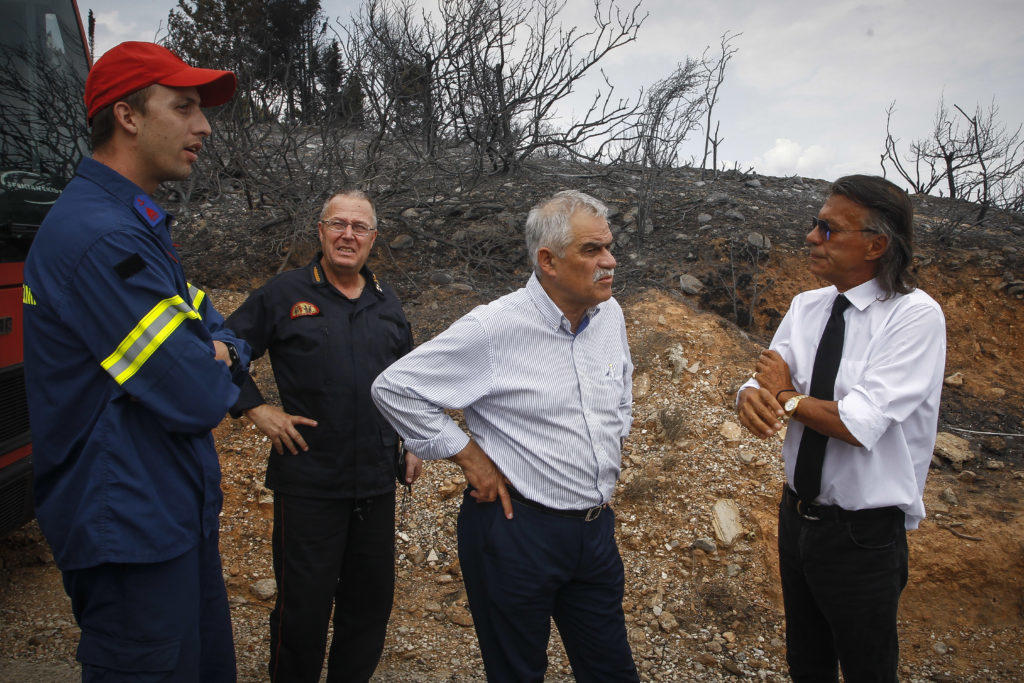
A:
x: 545, y: 379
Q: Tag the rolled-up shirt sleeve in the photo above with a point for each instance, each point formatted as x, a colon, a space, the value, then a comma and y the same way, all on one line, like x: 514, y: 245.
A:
x: 451, y: 371
x: 899, y: 376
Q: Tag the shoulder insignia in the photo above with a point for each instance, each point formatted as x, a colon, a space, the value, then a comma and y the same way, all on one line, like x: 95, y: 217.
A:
x: 150, y: 212
x: 303, y: 309
x: 316, y: 273
x: 376, y: 285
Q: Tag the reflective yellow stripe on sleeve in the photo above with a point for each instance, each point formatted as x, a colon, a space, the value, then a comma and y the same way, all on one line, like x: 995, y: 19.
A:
x: 147, y: 336
x: 197, y: 295
x: 26, y: 296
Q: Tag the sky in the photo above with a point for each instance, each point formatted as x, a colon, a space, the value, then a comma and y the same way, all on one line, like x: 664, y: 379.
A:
x: 808, y: 89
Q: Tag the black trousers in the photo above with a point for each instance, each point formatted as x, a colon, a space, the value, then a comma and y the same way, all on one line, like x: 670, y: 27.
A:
x: 161, y: 621
x: 339, y: 551
x: 520, y: 573
x: 841, y: 585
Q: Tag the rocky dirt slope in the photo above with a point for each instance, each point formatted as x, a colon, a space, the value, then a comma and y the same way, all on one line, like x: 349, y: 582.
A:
x: 696, y: 502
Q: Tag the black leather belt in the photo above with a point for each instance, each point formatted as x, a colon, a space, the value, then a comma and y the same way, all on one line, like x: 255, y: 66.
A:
x: 832, y: 513
x: 587, y: 515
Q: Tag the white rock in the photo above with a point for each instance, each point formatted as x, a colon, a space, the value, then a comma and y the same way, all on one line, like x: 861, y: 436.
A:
x: 264, y: 589
x: 953, y: 448
x: 689, y: 284
x: 731, y: 431
x: 725, y: 518
x: 677, y: 359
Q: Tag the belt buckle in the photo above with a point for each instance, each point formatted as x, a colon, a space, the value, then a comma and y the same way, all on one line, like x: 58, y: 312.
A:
x: 800, y: 510
x: 593, y: 513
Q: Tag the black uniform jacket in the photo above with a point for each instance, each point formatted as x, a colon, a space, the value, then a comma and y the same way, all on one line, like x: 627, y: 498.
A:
x: 326, y: 350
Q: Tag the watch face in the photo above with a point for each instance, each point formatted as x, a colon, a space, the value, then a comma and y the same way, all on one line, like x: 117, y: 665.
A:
x: 791, y: 404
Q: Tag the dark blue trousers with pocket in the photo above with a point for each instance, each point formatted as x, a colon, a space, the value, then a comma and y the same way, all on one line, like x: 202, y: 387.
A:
x: 165, y: 621
x: 520, y: 573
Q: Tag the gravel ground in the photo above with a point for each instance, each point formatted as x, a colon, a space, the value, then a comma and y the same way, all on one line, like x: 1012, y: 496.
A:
x: 697, y: 607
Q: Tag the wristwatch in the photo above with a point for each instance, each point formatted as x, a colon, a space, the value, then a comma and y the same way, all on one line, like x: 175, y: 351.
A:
x: 791, y: 404
x: 233, y: 355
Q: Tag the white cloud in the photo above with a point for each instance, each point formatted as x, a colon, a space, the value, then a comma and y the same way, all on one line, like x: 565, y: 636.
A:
x: 805, y: 70
x: 787, y: 157
x: 121, y: 20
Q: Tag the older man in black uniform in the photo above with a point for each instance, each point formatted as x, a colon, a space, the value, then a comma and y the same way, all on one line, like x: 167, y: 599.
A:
x: 330, y: 328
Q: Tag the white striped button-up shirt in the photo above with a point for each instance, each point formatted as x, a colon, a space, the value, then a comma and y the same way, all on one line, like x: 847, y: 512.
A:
x: 548, y: 407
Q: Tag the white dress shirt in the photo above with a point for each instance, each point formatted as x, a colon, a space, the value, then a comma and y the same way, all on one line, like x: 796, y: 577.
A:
x: 888, y: 389
x: 548, y: 406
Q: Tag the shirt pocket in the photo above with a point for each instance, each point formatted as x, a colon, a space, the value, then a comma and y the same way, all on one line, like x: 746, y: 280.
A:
x: 303, y: 336
x: 608, y: 385
x: 304, y: 347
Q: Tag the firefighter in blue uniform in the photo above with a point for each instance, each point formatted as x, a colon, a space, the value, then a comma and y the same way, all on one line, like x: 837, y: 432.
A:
x: 128, y: 368
x: 330, y: 329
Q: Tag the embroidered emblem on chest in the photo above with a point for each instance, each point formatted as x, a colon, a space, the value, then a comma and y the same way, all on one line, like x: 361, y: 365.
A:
x: 303, y: 309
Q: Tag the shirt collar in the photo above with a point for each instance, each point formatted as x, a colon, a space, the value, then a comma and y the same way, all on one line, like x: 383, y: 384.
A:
x: 549, y: 311
x: 864, y: 294
x: 124, y: 190
x: 318, y: 279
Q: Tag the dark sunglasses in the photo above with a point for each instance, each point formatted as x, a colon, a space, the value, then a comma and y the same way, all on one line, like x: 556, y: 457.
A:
x: 828, y: 230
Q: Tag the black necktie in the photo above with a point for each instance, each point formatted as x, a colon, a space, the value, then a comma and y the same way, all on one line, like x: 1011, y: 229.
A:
x: 811, y: 455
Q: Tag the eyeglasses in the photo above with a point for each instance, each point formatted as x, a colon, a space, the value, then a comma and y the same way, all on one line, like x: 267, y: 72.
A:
x: 358, y: 229
x: 828, y: 230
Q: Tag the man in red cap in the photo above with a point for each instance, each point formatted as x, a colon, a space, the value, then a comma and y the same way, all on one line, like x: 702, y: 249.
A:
x: 128, y: 368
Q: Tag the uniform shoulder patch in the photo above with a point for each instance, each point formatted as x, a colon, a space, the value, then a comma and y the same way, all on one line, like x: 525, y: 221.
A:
x: 303, y: 309
x: 150, y: 212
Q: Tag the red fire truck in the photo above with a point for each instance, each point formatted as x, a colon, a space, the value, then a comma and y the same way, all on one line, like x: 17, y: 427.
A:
x: 43, y: 65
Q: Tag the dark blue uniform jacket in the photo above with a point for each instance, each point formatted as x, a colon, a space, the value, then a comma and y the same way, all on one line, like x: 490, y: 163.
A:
x: 326, y: 350
x: 123, y: 386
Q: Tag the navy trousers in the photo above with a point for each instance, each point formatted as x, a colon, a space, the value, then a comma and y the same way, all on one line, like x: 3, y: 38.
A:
x: 165, y: 621
x: 841, y: 585
x: 331, y: 551
x: 520, y: 573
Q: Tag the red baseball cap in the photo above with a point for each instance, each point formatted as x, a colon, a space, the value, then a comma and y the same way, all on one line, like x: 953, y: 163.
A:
x: 134, y: 65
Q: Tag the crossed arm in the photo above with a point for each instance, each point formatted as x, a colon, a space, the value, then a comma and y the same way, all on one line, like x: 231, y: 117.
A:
x: 760, y: 408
